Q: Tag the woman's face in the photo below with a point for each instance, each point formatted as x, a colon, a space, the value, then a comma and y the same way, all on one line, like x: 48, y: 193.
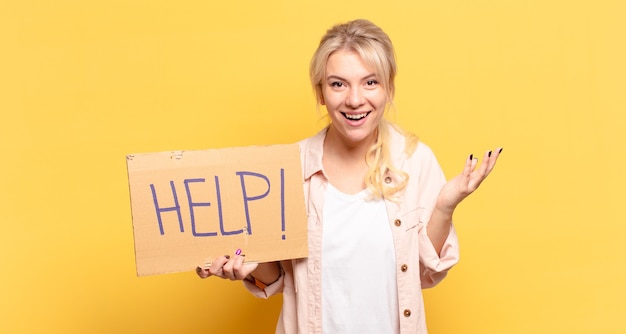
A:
x: 354, y: 98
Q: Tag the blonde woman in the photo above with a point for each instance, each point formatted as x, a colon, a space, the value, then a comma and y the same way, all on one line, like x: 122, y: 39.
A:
x: 379, y: 207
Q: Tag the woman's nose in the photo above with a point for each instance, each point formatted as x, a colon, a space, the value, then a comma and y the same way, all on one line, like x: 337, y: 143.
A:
x: 355, y: 98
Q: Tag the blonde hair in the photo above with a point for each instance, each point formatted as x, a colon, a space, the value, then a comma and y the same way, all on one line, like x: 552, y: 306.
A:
x: 375, y: 48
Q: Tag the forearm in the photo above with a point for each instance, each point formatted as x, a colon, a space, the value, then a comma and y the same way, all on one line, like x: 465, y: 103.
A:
x: 438, y: 227
x: 267, y: 272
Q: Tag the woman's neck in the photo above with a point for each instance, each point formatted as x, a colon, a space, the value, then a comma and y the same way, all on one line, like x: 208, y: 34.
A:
x: 344, y: 162
x: 346, y: 150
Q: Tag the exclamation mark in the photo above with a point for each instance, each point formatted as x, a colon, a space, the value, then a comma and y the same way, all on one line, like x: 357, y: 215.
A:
x: 282, y: 201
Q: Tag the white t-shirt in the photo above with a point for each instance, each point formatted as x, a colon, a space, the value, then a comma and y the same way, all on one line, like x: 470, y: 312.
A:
x: 359, y: 289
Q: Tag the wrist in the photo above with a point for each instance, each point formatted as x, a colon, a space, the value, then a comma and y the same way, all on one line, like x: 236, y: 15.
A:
x: 446, y: 210
x: 266, y: 273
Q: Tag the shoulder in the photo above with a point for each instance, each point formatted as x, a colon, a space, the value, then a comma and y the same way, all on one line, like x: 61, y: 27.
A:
x: 411, y: 155
x: 423, y: 150
x: 311, y: 152
x: 423, y: 157
x: 405, y: 145
x: 314, y: 142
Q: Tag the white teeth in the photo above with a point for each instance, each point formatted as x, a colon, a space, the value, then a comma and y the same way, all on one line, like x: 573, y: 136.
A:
x: 355, y: 117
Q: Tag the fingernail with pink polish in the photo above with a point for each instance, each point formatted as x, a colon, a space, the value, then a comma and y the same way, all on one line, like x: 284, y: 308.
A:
x: 238, y: 251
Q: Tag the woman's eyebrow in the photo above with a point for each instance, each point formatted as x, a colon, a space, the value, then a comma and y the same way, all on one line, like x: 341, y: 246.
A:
x: 337, y: 77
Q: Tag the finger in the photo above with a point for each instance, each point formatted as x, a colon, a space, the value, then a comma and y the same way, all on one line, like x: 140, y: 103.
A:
x: 202, y: 273
x: 228, y: 271
x: 467, y: 170
x: 228, y: 267
x: 218, y: 263
x: 493, y: 158
x: 238, y: 267
x: 483, y: 170
x: 215, y: 267
x: 479, y: 174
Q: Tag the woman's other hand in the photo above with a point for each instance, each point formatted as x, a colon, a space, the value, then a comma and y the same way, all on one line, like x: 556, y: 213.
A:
x: 461, y: 186
x: 228, y: 267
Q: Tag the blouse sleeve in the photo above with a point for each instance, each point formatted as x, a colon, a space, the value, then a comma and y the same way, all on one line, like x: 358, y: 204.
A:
x: 433, y: 267
x: 260, y: 290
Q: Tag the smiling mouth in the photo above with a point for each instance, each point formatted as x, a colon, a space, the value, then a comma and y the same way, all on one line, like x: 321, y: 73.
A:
x: 355, y: 117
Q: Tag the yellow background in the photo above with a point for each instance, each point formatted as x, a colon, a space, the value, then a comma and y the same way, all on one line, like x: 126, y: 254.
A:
x: 83, y: 83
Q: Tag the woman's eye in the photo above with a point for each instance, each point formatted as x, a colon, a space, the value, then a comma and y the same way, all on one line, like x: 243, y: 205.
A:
x: 372, y: 82
x: 337, y: 84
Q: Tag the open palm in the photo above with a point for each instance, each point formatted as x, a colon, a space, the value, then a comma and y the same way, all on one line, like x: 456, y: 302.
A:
x: 462, y: 185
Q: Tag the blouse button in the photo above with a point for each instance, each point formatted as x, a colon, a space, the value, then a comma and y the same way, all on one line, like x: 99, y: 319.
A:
x: 397, y: 222
x: 407, y: 313
x: 388, y: 180
x: 404, y: 268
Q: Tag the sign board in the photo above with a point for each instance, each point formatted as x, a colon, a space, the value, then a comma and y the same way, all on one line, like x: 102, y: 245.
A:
x: 189, y: 207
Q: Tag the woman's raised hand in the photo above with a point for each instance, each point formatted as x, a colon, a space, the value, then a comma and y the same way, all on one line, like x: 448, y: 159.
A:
x: 462, y: 185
